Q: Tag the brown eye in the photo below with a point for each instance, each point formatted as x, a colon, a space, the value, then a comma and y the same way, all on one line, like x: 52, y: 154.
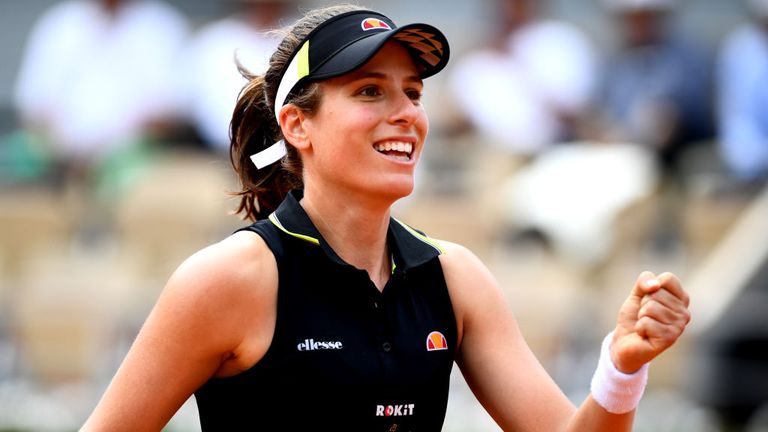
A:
x: 414, y: 95
x: 369, y: 91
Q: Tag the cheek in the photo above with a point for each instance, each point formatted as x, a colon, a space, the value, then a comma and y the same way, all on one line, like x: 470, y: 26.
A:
x: 363, y: 118
x: 350, y: 122
x: 422, y: 124
x: 357, y: 128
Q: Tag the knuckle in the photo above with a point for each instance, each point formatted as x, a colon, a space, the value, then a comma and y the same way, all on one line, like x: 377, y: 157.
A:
x: 656, y: 309
x: 643, y: 308
x: 644, y: 321
x: 670, y: 333
x: 687, y: 316
x: 644, y: 311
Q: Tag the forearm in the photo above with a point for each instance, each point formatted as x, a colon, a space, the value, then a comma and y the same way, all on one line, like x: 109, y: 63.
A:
x: 590, y: 416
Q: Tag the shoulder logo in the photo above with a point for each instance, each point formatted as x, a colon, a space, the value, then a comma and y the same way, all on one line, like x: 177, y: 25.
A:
x: 374, y: 24
x: 436, y: 341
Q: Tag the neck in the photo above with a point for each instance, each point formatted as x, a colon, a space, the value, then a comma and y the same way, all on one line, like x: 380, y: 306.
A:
x: 357, y: 231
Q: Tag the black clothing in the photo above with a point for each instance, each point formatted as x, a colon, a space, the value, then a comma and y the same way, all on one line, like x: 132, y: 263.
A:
x: 344, y: 355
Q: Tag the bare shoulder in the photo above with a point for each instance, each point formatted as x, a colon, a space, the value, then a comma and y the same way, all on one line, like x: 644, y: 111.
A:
x: 226, y: 291
x: 463, y: 269
x: 473, y: 289
x: 457, y: 255
x: 215, y: 317
x: 242, y: 261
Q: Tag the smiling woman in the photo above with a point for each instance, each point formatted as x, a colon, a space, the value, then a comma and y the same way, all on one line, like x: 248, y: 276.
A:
x: 333, y: 52
x: 328, y: 314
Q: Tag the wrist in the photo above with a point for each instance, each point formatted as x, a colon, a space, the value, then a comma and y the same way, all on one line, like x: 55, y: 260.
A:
x: 623, y: 366
x: 614, y: 390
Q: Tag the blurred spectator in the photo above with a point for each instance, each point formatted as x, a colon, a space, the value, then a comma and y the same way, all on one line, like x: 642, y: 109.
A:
x: 729, y: 372
x: 97, y: 77
x: 213, y: 80
x: 656, y: 88
x: 743, y: 97
x: 525, y: 89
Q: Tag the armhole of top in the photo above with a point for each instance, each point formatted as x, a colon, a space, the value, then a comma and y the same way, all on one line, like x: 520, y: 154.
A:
x: 270, y: 234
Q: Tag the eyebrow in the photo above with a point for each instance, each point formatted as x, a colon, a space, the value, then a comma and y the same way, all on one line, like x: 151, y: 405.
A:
x: 381, y: 75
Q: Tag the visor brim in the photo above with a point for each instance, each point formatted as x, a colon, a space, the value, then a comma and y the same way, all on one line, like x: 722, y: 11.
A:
x: 426, y: 44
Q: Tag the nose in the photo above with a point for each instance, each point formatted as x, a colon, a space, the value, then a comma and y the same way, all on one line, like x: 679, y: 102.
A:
x: 404, y: 110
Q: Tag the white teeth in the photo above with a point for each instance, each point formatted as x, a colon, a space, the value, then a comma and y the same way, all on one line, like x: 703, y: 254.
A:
x: 399, y: 146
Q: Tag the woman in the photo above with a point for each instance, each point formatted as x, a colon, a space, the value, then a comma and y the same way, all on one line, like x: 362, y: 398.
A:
x: 327, y: 314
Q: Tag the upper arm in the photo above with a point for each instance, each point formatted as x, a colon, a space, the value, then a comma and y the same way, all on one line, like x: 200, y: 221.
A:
x: 215, y: 302
x: 493, y: 356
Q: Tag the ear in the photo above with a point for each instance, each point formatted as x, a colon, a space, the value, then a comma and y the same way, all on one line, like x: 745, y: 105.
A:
x: 292, y: 125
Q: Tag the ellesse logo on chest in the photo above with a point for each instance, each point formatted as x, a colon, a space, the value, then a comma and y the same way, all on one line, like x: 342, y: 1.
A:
x: 313, y: 345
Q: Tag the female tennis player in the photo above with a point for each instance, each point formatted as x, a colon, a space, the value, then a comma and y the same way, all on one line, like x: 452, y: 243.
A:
x: 327, y: 313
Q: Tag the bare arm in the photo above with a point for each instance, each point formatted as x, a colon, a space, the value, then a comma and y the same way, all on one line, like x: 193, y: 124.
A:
x: 214, y: 317
x: 504, y: 374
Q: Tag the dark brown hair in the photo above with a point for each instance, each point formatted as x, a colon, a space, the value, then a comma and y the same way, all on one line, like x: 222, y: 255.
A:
x: 254, y: 127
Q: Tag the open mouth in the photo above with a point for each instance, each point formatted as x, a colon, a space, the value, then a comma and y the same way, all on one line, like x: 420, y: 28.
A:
x: 395, y: 149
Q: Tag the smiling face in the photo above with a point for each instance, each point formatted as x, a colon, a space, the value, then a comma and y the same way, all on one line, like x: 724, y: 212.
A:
x: 369, y: 129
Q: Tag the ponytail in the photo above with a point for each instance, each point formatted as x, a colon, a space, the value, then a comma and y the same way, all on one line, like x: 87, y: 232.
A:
x: 254, y: 127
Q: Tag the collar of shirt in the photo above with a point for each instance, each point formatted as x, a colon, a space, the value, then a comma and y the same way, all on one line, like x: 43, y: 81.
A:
x: 410, y: 248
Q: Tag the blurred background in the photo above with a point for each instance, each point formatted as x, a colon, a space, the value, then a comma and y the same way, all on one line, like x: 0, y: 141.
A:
x: 573, y: 144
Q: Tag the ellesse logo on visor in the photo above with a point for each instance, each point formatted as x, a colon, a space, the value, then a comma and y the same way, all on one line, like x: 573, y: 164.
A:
x: 374, y: 24
x: 436, y: 341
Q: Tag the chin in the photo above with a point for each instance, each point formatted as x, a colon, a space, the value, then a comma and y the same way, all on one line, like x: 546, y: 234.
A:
x: 396, y: 190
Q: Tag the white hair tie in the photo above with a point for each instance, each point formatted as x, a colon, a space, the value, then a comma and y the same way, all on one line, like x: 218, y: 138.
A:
x: 269, y: 155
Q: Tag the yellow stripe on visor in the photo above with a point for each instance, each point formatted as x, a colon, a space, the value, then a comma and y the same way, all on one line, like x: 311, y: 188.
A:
x: 303, y: 56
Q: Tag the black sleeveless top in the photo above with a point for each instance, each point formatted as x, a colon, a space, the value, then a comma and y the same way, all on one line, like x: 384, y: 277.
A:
x: 344, y: 355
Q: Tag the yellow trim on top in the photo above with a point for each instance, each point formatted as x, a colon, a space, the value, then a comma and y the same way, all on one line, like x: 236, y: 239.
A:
x: 276, y: 222
x: 303, y: 65
x: 430, y: 241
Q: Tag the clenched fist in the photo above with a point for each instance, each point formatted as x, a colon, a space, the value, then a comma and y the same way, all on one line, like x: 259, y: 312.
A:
x: 650, y: 320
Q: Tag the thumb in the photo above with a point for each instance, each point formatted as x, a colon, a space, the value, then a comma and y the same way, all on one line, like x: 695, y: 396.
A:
x: 647, y: 283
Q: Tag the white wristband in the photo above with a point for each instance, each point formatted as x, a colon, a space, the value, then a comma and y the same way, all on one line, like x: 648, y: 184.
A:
x: 614, y: 390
